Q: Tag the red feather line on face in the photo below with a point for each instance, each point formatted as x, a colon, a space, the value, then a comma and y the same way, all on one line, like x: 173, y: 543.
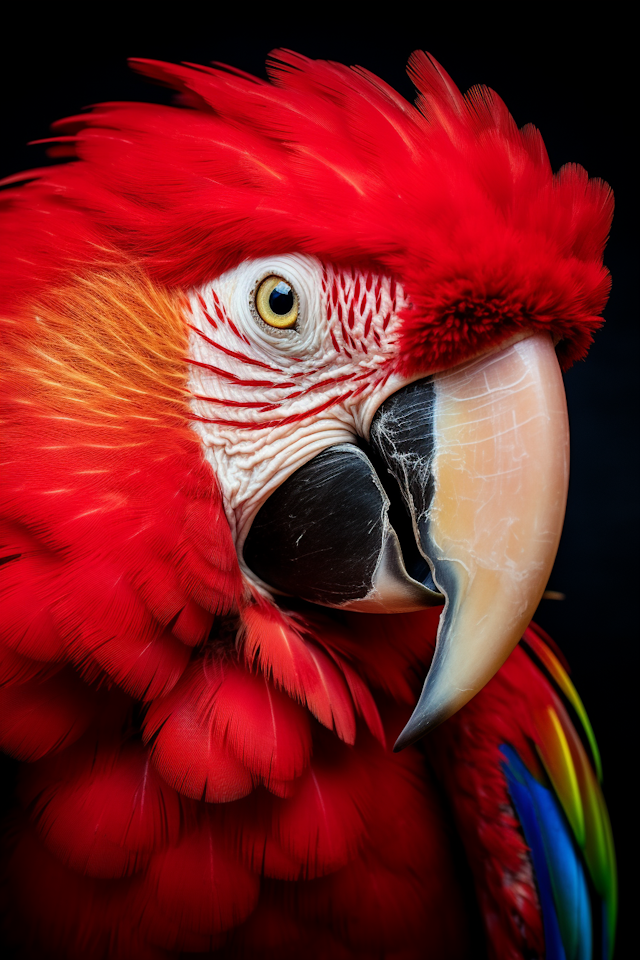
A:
x: 280, y: 421
x: 347, y: 293
x: 252, y: 361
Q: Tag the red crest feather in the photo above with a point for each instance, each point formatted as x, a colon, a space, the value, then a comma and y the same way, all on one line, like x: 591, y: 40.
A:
x: 329, y: 161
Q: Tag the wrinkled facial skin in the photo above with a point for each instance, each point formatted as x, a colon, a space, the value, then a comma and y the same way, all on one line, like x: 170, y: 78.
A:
x: 267, y: 400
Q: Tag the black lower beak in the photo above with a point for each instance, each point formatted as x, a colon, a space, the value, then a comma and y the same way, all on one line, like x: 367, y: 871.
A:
x: 325, y: 535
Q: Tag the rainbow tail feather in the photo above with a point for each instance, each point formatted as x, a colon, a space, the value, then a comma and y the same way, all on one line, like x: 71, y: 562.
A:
x: 520, y: 767
x: 562, y: 885
x: 564, y: 818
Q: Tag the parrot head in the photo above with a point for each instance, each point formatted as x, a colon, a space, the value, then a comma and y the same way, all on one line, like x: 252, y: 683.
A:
x: 354, y: 482
x: 347, y: 315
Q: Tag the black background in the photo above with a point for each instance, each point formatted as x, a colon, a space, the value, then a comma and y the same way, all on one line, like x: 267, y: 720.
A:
x: 572, y: 80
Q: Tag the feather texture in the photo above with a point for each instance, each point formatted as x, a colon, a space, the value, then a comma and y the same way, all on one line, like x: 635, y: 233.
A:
x: 41, y: 716
x: 100, y: 807
x: 327, y: 685
x: 561, y: 881
x: 199, y: 885
x: 222, y: 729
x: 123, y: 457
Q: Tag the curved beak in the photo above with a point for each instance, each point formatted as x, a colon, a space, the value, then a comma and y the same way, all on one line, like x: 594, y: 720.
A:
x: 478, y: 458
x: 487, y: 499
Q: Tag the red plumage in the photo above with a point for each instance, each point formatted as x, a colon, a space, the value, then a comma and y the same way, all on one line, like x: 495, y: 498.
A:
x: 451, y: 196
x: 223, y: 718
x: 209, y: 772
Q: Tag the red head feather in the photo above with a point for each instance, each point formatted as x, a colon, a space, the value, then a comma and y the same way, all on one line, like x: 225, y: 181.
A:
x: 329, y: 161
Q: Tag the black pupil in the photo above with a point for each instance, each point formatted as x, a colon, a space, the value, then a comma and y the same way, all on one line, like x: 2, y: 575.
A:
x: 281, y: 299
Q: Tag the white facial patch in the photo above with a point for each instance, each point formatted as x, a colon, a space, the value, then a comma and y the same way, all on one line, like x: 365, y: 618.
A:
x: 266, y: 399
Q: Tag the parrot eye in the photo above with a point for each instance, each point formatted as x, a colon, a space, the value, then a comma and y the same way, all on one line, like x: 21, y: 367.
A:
x: 277, y: 303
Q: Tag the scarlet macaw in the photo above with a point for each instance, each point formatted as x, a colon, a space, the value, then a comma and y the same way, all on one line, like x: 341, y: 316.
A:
x: 284, y: 433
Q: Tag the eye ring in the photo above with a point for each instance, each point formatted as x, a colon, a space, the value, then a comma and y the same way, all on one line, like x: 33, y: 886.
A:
x: 277, y: 303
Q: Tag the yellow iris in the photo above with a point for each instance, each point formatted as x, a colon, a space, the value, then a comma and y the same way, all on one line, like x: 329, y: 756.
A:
x: 277, y: 303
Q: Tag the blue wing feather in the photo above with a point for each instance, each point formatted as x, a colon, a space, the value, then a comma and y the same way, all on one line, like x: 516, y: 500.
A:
x: 560, y: 875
